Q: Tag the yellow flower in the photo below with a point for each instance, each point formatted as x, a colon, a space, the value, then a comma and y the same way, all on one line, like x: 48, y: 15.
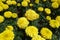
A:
x: 48, y: 11
x: 38, y: 37
x: 18, y: 4
x: 1, y: 8
x: 46, y: 33
x: 5, y: 6
x: 54, y: 23
x: 7, y: 35
x: 55, y: 5
x: 1, y: 19
x: 9, y: 27
x: 31, y: 15
x: 58, y: 2
x: 53, y: 0
x: 58, y: 19
x: 27, y: 0
x: 37, y: 1
x: 1, y: 3
x: 48, y: 17
x: 22, y: 22
x: 40, y: 9
x: 9, y: 2
x: 3, y: 0
x: 14, y: 15
x: 8, y: 14
x: 24, y: 3
x: 14, y: 2
x: 31, y: 4
x: 31, y: 31
x: 44, y: 0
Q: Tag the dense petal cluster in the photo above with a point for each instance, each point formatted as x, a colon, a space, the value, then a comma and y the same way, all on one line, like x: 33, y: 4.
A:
x: 22, y: 22
x: 31, y: 31
x: 38, y: 37
x: 31, y: 15
x: 54, y: 23
x: 46, y: 33
x: 7, y: 35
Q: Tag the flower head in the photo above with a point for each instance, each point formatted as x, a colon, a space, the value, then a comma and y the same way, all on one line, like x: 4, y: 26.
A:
x: 55, y: 5
x: 1, y: 19
x: 46, y: 33
x: 22, y: 22
x: 38, y: 37
x: 31, y: 15
x: 48, y: 11
x: 31, y: 31
x: 8, y: 14
x: 54, y: 23
x: 24, y: 3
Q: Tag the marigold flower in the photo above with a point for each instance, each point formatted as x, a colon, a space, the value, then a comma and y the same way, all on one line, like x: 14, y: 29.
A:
x: 22, y: 22
x: 31, y: 15
x: 14, y: 15
x: 1, y: 8
x: 38, y: 37
x: 55, y: 5
x: 5, y: 6
x: 58, y: 19
x: 37, y: 1
x: 48, y: 17
x: 7, y: 35
x: 14, y: 2
x: 54, y: 23
x: 48, y: 11
x: 40, y: 9
x: 9, y: 2
x: 1, y: 19
x: 46, y: 33
x: 7, y: 14
x: 24, y: 3
x: 31, y: 31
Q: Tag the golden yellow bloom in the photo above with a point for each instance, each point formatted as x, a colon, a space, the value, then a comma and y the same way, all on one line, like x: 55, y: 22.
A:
x: 55, y: 5
x: 31, y: 4
x: 31, y: 31
x: 58, y: 19
x: 27, y: 0
x: 9, y: 27
x: 18, y: 4
x: 44, y: 0
x: 1, y: 3
x: 37, y: 1
x: 7, y: 35
x: 22, y: 22
x: 5, y: 6
x: 46, y: 33
x: 24, y: 3
x: 53, y: 0
x: 54, y: 23
x: 40, y: 9
x: 14, y: 2
x: 1, y: 8
x: 1, y: 19
x: 14, y: 15
x: 8, y: 14
x: 48, y: 11
x: 3, y: 0
x: 38, y: 37
x: 9, y: 2
x: 58, y: 1
x: 48, y: 17
x: 31, y: 15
